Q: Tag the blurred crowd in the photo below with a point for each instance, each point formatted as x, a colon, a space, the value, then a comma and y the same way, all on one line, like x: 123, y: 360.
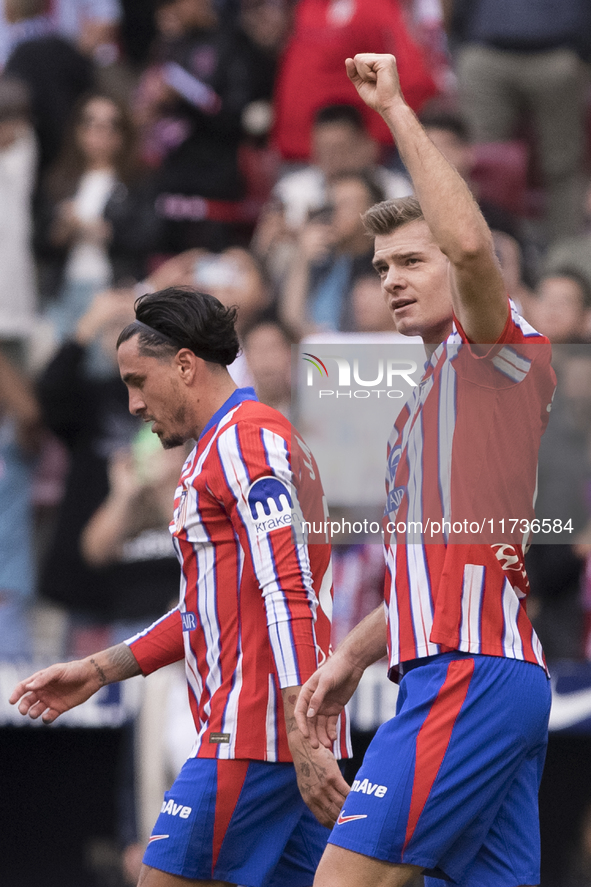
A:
x: 219, y: 144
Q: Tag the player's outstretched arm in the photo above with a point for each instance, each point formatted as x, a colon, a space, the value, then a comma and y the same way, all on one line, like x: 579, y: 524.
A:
x: 453, y: 216
x: 319, y: 778
x: 324, y: 696
x: 54, y: 690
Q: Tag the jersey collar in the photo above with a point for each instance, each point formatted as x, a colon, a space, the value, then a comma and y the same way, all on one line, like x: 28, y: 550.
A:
x: 235, y: 399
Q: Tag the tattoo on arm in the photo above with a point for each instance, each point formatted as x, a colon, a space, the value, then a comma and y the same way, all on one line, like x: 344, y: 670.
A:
x: 100, y: 672
x: 123, y: 661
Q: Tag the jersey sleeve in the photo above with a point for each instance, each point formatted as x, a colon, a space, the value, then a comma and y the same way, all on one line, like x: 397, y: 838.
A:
x: 254, y: 484
x: 160, y: 644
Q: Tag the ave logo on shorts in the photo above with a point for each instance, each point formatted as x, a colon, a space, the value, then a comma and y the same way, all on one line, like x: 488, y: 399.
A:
x: 369, y: 788
x: 270, y: 503
x: 176, y: 809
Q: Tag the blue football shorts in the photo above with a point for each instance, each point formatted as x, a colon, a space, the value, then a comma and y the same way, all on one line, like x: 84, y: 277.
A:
x: 451, y: 783
x: 239, y: 821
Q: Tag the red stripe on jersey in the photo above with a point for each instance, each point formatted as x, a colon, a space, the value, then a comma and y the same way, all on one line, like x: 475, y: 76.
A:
x: 434, y: 737
x: 161, y: 645
x: 230, y: 779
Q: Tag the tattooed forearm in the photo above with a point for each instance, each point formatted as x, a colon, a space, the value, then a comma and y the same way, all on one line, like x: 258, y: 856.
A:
x: 123, y: 662
x: 99, y: 671
x: 114, y: 664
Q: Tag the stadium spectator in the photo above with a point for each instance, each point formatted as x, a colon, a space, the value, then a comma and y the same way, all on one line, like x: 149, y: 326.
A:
x: 369, y: 312
x: 97, y: 224
x: 90, y: 416
x: 18, y: 152
x: 557, y: 571
x: 310, y: 76
x: 186, y: 396
x: 333, y: 250
x: 189, y: 108
x: 340, y: 144
x: 20, y: 435
x: 88, y: 413
x: 561, y: 308
x: 266, y: 344
x: 515, y: 57
x: 56, y: 73
x: 573, y: 253
x: 91, y: 25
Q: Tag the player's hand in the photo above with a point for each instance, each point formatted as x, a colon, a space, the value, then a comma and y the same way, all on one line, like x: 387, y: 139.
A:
x: 323, y: 697
x: 375, y: 77
x: 320, y: 781
x: 56, y: 689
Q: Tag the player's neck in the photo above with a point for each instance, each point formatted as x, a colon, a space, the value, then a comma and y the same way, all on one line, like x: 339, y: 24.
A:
x: 211, y: 396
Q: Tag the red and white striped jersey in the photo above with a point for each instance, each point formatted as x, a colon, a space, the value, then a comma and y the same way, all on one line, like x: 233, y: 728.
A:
x: 255, y: 599
x: 461, y: 485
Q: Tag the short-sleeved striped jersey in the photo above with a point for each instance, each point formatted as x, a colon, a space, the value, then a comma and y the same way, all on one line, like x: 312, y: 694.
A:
x: 461, y: 485
x: 255, y: 604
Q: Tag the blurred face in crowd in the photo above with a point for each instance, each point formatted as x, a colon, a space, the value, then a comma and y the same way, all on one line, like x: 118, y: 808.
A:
x: 349, y: 199
x: 180, y: 16
x: 559, y: 311
x: 415, y: 281
x: 268, y: 354
x: 339, y: 147
x: 99, y: 132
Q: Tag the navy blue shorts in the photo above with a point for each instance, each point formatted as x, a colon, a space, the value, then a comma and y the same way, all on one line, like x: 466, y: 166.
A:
x: 239, y: 821
x: 451, y: 783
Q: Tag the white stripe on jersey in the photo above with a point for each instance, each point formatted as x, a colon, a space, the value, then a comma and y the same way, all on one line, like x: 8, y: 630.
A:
x: 146, y: 631
x: 472, y: 592
x: 278, y: 615
x: 277, y: 458
x: 508, y: 362
x: 511, y: 641
x: 324, y: 593
x: 527, y: 330
x: 447, y: 424
x: 537, y: 648
x: 394, y: 620
x: 271, y: 721
x: 230, y: 719
x: 206, y: 603
x: 421, y: 602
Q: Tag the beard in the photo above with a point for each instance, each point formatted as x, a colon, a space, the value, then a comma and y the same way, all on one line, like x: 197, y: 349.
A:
x: 172, y: 441
x: 175, y: 438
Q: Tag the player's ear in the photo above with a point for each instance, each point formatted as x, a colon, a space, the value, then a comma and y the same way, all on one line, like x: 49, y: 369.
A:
x: 186, y: 363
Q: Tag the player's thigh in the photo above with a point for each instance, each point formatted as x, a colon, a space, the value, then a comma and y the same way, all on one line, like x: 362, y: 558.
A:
x: 233, y: 821
x: 345, y: 868
x: 510, y: 853
x: 150, y: 877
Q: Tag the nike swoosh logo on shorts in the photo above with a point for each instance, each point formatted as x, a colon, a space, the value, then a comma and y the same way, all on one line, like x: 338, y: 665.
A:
x: 343, y: 819
x: 157, y: 838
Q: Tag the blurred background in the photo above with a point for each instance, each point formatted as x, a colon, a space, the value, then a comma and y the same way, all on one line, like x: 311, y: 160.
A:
x: 219, y: 144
